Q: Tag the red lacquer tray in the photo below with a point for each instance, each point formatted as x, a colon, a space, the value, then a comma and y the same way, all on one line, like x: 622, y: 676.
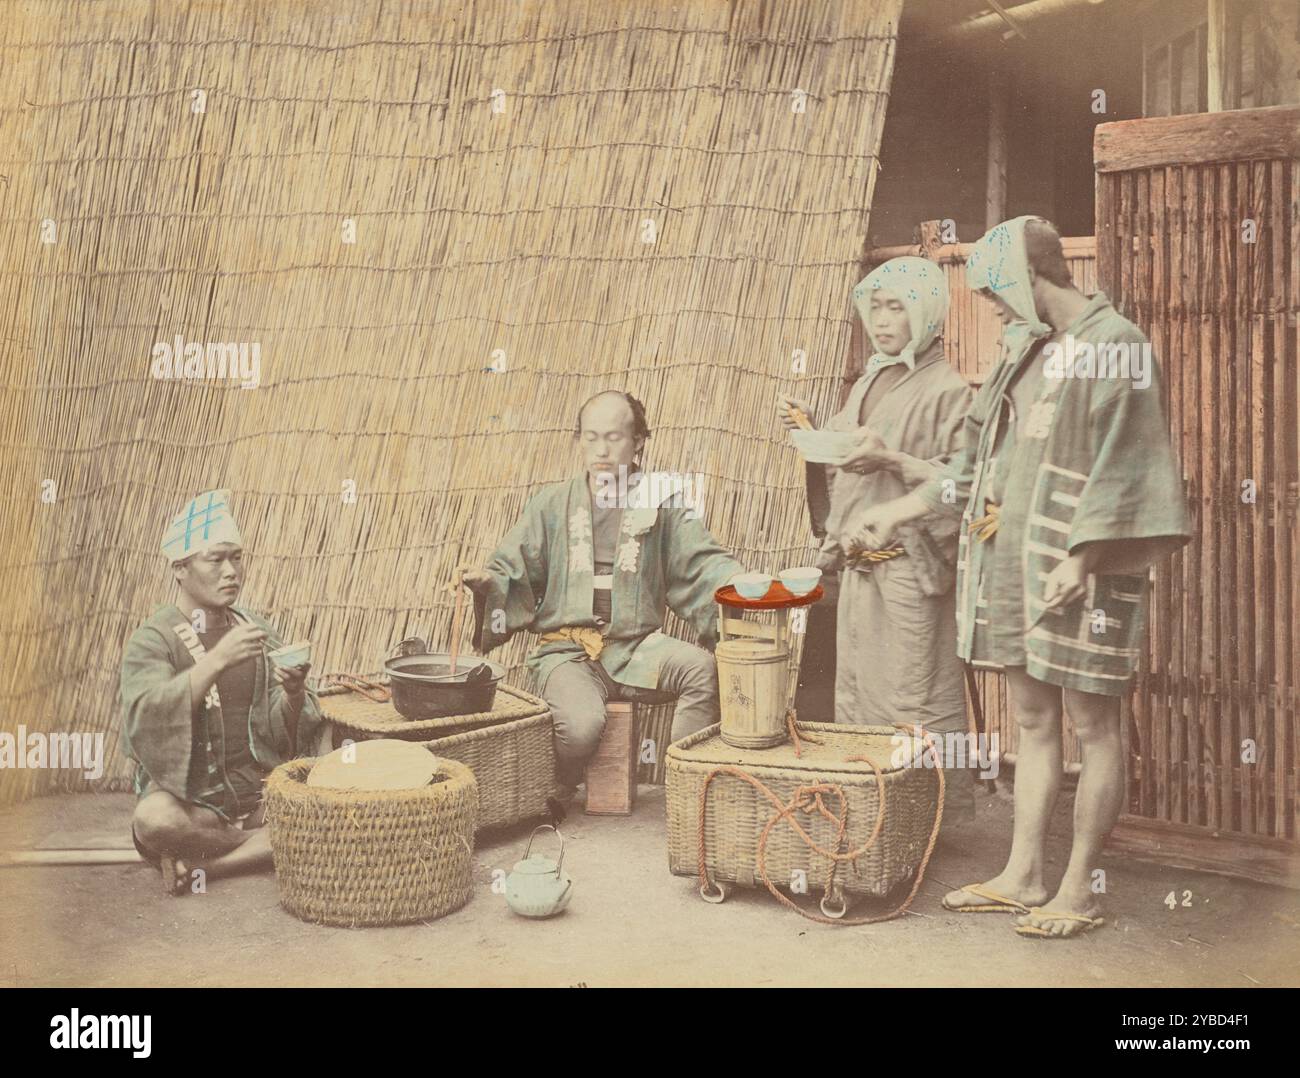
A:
x: 778, y: 597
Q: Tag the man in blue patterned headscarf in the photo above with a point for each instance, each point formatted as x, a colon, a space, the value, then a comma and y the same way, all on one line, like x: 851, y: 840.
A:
x: 896, y: 647
x: 1068, y: 477
x: 206, y: 713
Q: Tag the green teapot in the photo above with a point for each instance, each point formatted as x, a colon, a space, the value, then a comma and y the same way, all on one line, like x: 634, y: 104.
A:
x: 536, y: 887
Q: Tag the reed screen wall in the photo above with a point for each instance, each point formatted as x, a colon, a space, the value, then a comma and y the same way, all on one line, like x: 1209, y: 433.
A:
x: 443, y: 226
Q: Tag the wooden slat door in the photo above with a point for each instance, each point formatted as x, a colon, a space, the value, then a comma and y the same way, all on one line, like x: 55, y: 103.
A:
x: 1198, y: 240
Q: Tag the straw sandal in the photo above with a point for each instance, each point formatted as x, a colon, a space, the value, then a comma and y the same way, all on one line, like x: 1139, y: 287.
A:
x: 175, y: 876
x: 996, y: 903
x: 1036, y: 933
x: 559, y: 803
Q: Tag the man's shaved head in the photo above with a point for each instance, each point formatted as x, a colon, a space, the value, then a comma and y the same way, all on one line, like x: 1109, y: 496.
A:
x: 1044, y: 252
x: 609, y: 402
x: 611, y: 432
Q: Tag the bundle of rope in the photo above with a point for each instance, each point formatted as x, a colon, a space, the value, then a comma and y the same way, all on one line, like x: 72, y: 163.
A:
x: 812, y: 798
x: 868, y: 559
x: 371, y: 690
x: 987, y: 526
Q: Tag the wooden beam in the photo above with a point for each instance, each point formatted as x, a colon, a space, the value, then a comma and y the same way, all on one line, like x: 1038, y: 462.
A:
x: 1201, y: 849
x: 1073, y: 246
x: 995, y: 189
x: 1012, y: 25
x: 24, y: 858
x: 1016, y: 17
x: 1240, y: 135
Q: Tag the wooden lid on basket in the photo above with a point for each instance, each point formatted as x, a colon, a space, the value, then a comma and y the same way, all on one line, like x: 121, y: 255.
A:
x: 385, y: 764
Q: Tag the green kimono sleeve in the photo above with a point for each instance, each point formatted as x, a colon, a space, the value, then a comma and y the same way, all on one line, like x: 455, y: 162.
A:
x: 518, y: 581
x: 696, y: 567
x: 1134, y: 488
x: 157, y: 711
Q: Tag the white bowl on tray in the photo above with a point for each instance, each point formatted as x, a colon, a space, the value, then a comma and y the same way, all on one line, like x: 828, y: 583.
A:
x: 824, y: 446
x: 801, y: 579
x: 752, y: 585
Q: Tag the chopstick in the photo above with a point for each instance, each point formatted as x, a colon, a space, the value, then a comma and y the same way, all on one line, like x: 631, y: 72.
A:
x: 800, y: 418
x: 456, y: 617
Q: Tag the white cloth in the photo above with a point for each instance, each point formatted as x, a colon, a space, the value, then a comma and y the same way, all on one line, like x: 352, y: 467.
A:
x: 201, y: 525
x: 920, y: 284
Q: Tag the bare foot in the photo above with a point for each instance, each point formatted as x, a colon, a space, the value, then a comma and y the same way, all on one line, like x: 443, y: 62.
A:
x: 1018, y: 890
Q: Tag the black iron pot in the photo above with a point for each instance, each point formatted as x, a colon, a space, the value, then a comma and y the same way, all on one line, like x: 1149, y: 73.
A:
x: 423, y: 686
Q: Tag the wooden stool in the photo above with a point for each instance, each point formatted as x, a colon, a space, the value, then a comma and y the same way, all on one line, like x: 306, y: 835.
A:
x: 611, y: 773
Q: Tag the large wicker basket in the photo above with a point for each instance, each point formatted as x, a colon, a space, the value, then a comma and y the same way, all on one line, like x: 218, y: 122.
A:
x: 385, y: 857
x: 514, y: 764
x: 737, y: 812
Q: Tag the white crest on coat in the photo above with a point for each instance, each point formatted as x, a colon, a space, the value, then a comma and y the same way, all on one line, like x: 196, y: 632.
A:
x: 580, y: 560
x: 629, y: 554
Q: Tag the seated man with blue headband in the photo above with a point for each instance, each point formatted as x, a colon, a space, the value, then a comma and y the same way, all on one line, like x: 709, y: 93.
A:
x: 1069, y: 491
x: 206, y: 714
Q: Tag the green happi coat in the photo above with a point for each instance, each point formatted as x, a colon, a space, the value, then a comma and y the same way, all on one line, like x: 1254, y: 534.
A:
x: 1091, y: 461
x: 542, y: 577
x: 181, y: 752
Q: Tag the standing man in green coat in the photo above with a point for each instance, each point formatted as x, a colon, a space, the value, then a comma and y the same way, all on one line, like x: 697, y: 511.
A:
x: 1069, y: 491
x: 206, y: 715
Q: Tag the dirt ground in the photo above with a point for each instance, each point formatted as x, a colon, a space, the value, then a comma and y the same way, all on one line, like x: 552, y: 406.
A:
x: 630, y: 922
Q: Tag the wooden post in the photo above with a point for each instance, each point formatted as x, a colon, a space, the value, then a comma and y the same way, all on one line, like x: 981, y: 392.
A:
x: 1216, y: 56
x: 995, y: 198
x: 931, y: 238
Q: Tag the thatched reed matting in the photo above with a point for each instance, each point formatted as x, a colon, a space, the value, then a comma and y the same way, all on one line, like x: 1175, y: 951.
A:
x: 443, y: 226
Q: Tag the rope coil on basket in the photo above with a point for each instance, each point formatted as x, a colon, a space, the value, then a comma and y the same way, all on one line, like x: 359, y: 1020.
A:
x: 808, y: 799
x: 375, y: 691
x: 792, y: 728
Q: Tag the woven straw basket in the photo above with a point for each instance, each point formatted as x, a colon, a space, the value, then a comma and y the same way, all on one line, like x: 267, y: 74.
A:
x: 384, y: 857
x: 514, y: 764
x: 737, y: 812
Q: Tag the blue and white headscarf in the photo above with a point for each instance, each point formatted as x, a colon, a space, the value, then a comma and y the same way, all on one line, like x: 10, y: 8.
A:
x: 999, y: 263
x: 200, y: 526
x: 920, y: 284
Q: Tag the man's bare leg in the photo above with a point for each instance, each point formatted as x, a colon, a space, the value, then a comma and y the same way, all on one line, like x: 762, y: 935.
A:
x: 191, y: 836
x: 253, y: 855
x: 1097, y: 805
x: 1037, y: 707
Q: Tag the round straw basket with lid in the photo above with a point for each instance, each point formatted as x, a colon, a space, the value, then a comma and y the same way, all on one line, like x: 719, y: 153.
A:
x: 372, y: 857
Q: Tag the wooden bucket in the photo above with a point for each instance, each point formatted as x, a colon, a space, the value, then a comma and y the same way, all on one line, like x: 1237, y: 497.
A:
x: 752, y: 681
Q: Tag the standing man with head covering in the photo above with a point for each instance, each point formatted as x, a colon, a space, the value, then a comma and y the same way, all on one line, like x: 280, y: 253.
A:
x: 206, y: 715
x: 1069, y: 491
x: 896, y: 646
